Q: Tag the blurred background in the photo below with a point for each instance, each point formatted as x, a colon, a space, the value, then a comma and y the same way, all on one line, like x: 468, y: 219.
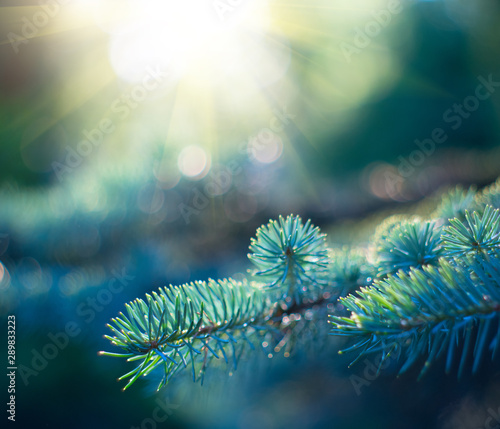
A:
x: 143, y: 142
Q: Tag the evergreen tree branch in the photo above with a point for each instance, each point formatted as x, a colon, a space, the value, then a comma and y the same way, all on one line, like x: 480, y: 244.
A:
x: 428, y: 312
x: 479, y: 233
x: 192, y: 322
x: 408, y: 244
x: 437, y: 294
x: 290, y: 257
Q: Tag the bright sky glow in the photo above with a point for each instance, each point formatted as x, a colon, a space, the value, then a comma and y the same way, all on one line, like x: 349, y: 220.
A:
x: 211, y: 37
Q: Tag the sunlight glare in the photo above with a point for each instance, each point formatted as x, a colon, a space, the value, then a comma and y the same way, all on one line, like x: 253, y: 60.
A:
x: 180, y: 35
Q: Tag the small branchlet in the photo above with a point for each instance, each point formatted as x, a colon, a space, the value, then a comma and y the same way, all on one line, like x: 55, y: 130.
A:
x: 408, y: 244
x: 349, y: 270
x: 291, y: 257
x: 477, y: 234
x: 187, y: 323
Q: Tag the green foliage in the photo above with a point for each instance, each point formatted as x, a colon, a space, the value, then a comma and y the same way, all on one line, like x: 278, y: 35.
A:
x: 455, y: 202
x: 478, y: 234
x: 290, y: 256
x: 429, y: 312
x: 349, y: 270
x: 447, y: 307
x: 192, y: 322
x: 436, y: 295
x: 408, y: 244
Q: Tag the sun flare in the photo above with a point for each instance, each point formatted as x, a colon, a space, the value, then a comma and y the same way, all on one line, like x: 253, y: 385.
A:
x: 212, y: 38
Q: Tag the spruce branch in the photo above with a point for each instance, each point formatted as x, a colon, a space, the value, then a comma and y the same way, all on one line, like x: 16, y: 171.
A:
x: 193, y: 324
x: 189, y: 323
x: 437, y: 294
x: 290, y: 256
x: 349, y: 270
x: 429, y: 312
x: 477, y: 234
x: 408, y: 244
